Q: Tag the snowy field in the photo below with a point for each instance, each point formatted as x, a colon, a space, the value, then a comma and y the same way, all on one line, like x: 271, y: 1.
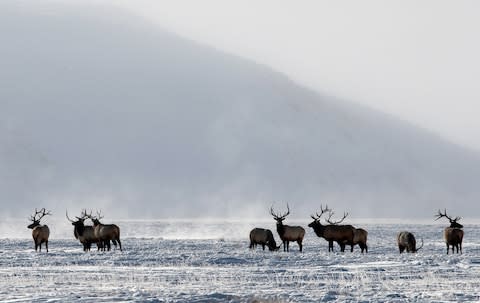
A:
x: 181, y: 261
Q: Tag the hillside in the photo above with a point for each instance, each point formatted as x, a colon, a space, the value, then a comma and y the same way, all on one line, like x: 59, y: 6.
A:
x: 100, y: 109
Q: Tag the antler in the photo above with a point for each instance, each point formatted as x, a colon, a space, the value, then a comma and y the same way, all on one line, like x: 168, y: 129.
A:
x: 277, y: 216
x: 420, y: 246
x: 92, y: 217
x: 42, y: 213
x: 66, y: 214
x: 99, y: 215
x: 440, y: 215
x: 337, y: 222
x: 84, y: 214
x: 321, y: 213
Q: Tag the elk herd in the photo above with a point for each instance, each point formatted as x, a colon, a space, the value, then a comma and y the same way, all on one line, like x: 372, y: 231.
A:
x: 333, y: 231
x: 98, y: 233
x: 103, y: 235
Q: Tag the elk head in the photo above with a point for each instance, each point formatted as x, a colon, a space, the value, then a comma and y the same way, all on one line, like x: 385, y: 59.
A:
x: 37, y: 216
x: 95, y: 219
x: 453, y: 222
x: 317, y: 216
x: 79, y: 220
x: 279, y: 218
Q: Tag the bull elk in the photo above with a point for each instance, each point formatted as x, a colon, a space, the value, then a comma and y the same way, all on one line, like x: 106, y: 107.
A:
x: 105, y: 232
x: 454, y: 234
x: 40, y: 233
x: 288, y: 233
x: 263, y: 237
x: 406, y: 240
x: 84, y: 233
x: 359, y: 234
x: 342, y: 234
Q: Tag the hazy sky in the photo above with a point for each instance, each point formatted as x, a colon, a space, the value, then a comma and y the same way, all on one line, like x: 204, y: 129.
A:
x: 102, y: 110
x: 416, y: 60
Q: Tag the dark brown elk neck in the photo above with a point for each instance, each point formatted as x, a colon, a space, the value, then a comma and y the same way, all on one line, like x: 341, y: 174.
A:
x: 280, y: 228
x: 318, y: 228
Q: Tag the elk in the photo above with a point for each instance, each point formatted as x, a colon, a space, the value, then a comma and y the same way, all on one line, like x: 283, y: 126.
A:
x: 105, y: 232
x: 454, y: 234
x: 406, y: 240
x: 288, y: 233
x: 264, y: 237
x: 359, y: 234
x: 360, y: 238
x: 342, y: 234
x: 40, y: 233
x: 84, y: 233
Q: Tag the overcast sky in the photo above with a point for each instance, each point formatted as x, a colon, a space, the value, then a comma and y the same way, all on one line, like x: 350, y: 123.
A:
x: 102, y: 110
x: 416, y: 60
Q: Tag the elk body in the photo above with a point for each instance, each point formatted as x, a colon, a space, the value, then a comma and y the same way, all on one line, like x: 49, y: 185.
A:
x: 453, y: 235
x: 105, y: 233
x: 288, y: 233
x: 263, y: 237
x: 84, y: 233
x: 360, y: 237
x: 406, y: 241
x: 40, y: 233
x: 342, y: 234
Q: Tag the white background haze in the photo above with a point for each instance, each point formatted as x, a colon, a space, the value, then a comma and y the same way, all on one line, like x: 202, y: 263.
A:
x: 104, y: 109
x: 417, y: 61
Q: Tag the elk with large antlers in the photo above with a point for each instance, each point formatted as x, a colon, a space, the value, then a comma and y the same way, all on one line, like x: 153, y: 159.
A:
x: 288, y: 233
x: 454, y: 234
x: 105, y: 232
x: 40, y: 233
x: 342, y: 234
x: 84, y: 233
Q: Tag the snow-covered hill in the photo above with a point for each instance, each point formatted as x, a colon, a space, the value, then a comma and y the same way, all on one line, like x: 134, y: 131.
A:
x: 120, y: 115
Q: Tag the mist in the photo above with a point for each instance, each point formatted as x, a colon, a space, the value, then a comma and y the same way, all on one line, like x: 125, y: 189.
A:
x: 102, y: 110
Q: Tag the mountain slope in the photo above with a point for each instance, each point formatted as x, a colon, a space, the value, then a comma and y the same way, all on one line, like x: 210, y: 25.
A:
x: 122, y: 116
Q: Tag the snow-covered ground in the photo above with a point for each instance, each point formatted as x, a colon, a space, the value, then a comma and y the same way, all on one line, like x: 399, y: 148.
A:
x: 210, y: 262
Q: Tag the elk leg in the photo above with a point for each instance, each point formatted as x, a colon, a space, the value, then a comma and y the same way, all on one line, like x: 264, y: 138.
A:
x: 300, y: 244
x: 46, y: 245
x: 263, y: 246
x: 119, y: 244
x: 448, y: 248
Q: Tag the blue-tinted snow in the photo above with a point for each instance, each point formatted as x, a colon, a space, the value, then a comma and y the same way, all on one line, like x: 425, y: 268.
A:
x: 219, y: 267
